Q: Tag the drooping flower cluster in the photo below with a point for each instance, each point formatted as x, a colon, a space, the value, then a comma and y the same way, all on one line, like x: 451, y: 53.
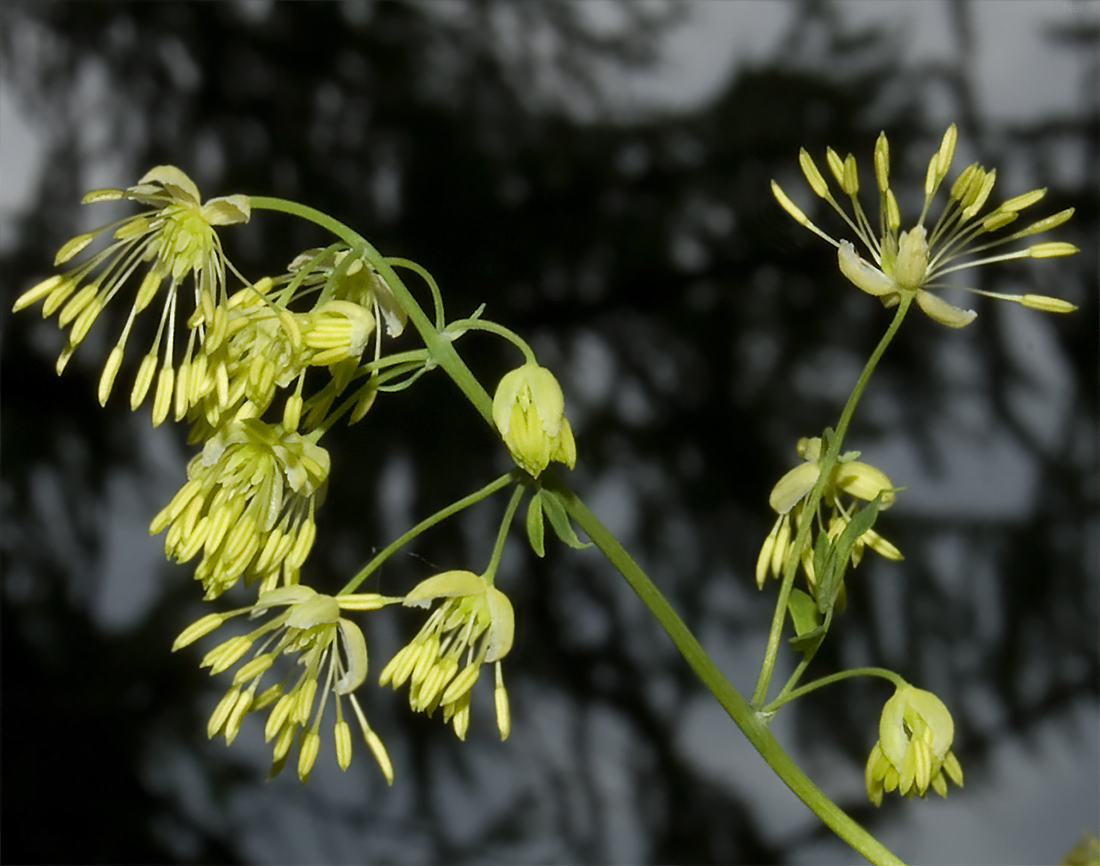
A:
x: 849, y: 477
x: 175, y: 238
x: 913, y: 263
x: 330, y: 650
x: 913, y: 751
x: 248, y: 506
x: 475, y: 621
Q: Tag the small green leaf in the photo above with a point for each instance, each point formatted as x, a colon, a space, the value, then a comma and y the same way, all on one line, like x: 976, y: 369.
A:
x: 804, y: 612
x: 559, y: 519
x: 809, y: 640
x: 535, y: 529
x: 841, y: 554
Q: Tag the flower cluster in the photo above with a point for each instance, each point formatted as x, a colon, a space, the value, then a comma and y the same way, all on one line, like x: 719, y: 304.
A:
x: 329, y: 649
x: 849, y: 477
x: 912, y: 263
x: 913, y: 751
x: 475, y: 620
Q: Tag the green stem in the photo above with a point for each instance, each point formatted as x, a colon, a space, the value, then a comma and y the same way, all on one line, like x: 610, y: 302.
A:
x: 785, y: 696
x: 493, y: 328
x: 502, y: 534
x: 441, y: 515
x: 809, y: 510
x: 751, y: 723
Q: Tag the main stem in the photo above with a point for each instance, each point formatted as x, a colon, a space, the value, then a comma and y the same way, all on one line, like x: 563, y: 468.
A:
x: 752, y: 724
x: 809, y: 510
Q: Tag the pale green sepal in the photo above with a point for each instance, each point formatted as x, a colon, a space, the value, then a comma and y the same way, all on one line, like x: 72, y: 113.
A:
x: 175, y: 181
x: 792, y: 487
x: 314, y: 611
x: 502, y: 629
x: 937, y: 308
x: 862, y: 275
x: 448, y: 584
x: 294, y: 594
x: 355, y: 645
x: 227, y: 210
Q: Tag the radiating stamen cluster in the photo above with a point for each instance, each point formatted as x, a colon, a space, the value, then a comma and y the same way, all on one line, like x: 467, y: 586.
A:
x: 332, y: 654
x: 248, y: 506
x: 849, y: 477
x: 914, y: 747
x: 173, y: 239
x: 913, y: 262
x: 475, y: 621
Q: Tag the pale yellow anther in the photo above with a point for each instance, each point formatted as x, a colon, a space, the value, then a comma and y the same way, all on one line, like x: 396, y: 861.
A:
x: 72, y: 247
x: 1018, y: 203
x: 162, y: 402
x: 850, y: 178
x: 76, y: 304
x: 893, y: 215
x: 37, y: 292
x: 1047, y: 223
x: 1052, y: 249
x: 221, y: 712
x: 110, y: 370
x: 946, y: 152
x: 882, y: 162
x: 309, y: 745
x: 979, y: 194
x: 788, y: 205
x: 961, y: 187
x: 998, y: 220
x: 342, y: 735
x: 813, y: 176
x: 1047, y: 304
x: 199, y: 628
x: 500, y: 700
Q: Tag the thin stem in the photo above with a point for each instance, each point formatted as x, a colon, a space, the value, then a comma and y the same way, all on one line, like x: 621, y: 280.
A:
x: 502, y: 534
x: 493, y: 328
x: 751, y: 723
x: 785, y: 696
x: 826, y: 464
x: 441, y: 515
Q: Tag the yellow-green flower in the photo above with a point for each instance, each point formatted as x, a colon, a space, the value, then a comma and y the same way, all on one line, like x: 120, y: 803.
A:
x: 914, y: 262
x: 332, y: 654
x: 850, y: 477
x: 529, y: 412
x: 914, y: 747
x: 171, y: 240
x: 248, y: 505
x: 475, y: 621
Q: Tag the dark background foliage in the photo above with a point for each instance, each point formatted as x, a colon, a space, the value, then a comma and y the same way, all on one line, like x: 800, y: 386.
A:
x: 698, y: 334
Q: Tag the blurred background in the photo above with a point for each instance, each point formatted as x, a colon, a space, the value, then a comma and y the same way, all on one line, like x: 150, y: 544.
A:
x: 597, y: 174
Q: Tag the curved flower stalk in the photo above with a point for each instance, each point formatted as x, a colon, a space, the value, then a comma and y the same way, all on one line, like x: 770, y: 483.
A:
x: 175, y: 238
x: 849, y: 477
x: 529, y: 412
x: 332, y: 654
x: 914, y: 262
x: 914, y: 747
x: 475, y: 620
x: 248, y: 506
